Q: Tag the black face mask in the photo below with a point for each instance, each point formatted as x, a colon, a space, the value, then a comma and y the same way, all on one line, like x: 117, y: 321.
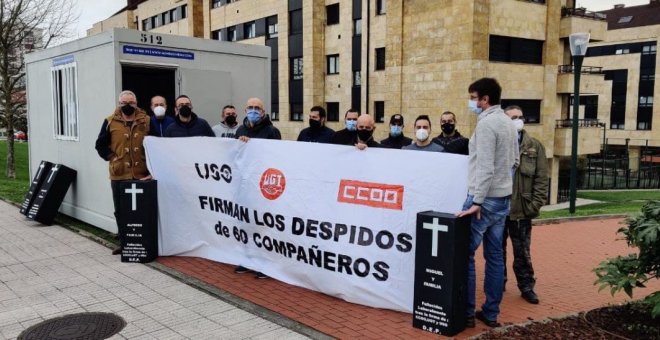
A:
x: 230, y: 120
x: 448, y: 128
x: 314, y: 124
x: 364, y: 135
x: 185, y: 111
x: 128, y: 110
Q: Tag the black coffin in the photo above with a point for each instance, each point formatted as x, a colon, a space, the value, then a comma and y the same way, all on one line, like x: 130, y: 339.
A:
x: 441, y: 266
x: 42, y: 172
x: 51, y: 193
x: 138, y: 221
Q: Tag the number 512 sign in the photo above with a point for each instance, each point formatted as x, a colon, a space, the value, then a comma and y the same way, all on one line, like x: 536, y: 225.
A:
x: 151, y: 39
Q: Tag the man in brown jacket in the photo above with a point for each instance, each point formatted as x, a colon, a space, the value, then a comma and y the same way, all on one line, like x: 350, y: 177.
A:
x: 530, y: 193
x: 120, y: 143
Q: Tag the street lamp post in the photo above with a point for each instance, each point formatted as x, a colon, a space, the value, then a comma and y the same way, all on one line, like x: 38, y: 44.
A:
x: 578, y: 43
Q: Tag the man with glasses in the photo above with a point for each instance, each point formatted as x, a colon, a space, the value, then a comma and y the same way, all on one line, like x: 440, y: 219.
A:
x: 120, y: 143
x: 450, y: 139
x: 187, y: 123
x: 257, y: 123
x: 396, y: 139
x: 530, y: 193
x: 348, y: 135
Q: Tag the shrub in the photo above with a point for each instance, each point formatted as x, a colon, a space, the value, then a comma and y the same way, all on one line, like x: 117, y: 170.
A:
x: 634, y: 270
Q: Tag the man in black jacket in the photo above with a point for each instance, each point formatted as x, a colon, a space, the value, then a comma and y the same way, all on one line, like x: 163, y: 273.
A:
x: 317, y: 132
x: 396, y: 139
x: 347, y: 136
x: 450, y: 138
x: 365, y: 133
x: 257, y: 124
x: 187, y: 123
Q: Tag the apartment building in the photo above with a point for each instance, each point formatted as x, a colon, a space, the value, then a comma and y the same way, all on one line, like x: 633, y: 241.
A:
x: 418, y: 57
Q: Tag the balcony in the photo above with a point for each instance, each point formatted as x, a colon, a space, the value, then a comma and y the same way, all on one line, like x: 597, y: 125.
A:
x: 589, y: 136
x: 591, y: 80
x: 580, y: 20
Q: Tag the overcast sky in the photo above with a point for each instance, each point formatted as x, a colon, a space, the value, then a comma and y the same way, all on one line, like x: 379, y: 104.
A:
x: 92, y: 11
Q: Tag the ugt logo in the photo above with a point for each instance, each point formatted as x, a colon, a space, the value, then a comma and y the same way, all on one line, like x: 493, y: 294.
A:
x: 375, y: 195
x: 272, y: 184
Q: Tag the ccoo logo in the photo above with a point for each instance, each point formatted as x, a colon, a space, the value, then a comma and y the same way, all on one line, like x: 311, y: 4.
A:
x: 272, y: 184
x: 375, y: 195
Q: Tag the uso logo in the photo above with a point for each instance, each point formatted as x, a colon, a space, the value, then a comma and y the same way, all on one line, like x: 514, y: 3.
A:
x: 375, y: 195
x: 272, y: 184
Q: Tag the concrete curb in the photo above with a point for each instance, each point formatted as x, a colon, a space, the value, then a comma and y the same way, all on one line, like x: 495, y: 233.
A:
x: 558, y: 220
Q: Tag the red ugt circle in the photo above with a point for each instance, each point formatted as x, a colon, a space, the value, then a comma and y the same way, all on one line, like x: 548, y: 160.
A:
x: 272, y: 184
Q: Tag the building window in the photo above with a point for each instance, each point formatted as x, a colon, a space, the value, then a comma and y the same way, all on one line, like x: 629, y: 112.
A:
x: 184, y: 11
x: 332, y: 14
x: 381, y: 7
x: 216, y: 3
x: 146, y: 24
x: 625, y: 20
x: 646, y: 101
x: 158, y: 21
x: 216, y: 35
x: 333, y: 111
x: 295, y: 22
x: 174, y: 15
x: 296, y: 112
x: 357, y: 27
x: 165, y: 18
x: 622, y: 51
x: 649, y: 49
x: 275, y: 112
x: 296, y: 68
x: 531, y: 108
x: 357, y: 78
x: 65, y: 101
x: 379, y: 111
x: 333, y: 64
x: 271, y: 22
x: 380, y: 58
x: 231, y: 33
x: 515, y: 50
x: 249, y: 30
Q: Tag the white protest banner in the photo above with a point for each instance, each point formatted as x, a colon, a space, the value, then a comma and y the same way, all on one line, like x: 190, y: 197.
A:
x: 325, y: 217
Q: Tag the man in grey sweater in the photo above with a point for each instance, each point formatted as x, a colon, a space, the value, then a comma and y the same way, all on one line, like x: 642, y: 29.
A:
x: 493, y: 156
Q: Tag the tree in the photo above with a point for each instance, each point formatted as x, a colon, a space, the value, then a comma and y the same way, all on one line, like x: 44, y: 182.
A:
x: 24, y: 26
x: 635, y: 270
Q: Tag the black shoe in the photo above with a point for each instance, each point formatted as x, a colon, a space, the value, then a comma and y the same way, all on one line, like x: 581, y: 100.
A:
x: 241, y: 270
x: 489, y: 323
x: 530, y: 297
x: 117, y: 250
x: 469, y: 323
x: 261, y: 275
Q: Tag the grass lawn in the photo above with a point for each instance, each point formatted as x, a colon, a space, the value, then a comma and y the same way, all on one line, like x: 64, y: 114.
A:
x: 613, y: 202
x: 14, y: 189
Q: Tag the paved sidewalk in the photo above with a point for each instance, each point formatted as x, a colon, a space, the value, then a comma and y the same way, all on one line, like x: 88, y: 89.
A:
x: 47, y: 272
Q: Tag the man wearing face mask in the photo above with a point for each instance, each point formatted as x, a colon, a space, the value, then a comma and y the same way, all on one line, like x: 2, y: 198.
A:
x: 450, y: 139
x: 422, y: 139
x: 493, y: 154
x: 347, y: 136
x: 396, y: 139
x: 120, y: 143
x: 365, y: 132
x: 187, y: 123
x: 317, y: 132
x: 257, y: 123
x: 227, y: 128
x: 159, y: 121
x: 530, y: 192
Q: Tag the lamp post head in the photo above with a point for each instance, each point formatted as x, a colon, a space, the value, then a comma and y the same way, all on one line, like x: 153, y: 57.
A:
x: 579, y: 43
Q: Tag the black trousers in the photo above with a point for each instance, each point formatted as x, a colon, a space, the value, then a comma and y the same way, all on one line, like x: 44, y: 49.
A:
x: 520, y: 232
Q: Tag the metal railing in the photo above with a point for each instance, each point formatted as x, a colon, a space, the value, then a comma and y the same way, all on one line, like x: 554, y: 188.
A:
x: 583, y: 13
x: 583, y: 69
x: 568, y: 123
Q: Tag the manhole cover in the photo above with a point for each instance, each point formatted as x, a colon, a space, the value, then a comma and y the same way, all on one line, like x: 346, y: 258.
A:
x: 81, y: 326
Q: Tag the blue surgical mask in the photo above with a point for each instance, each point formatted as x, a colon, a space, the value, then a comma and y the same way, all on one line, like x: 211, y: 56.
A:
x: 395, y: 130
x: 472, y: 106
x: 253, y: 116
x: 351, y: 125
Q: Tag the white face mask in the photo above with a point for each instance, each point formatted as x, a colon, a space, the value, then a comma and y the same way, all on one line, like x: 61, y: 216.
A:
x: 422, y: 135
x: 159, y: 111
x: 519, y: 124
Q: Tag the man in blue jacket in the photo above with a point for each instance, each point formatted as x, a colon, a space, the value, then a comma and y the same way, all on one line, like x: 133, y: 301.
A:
x: 187, y: 123
x: 159, y: 121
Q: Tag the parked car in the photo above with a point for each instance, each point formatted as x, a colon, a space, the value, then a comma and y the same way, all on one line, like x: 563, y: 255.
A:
x: 20, y: 135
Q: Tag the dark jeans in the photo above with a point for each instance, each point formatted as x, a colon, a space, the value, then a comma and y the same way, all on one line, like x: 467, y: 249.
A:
x: 520, y: 233
x: 115, y: 199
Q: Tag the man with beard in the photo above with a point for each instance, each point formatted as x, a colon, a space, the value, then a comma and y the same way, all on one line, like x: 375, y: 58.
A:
x: 187, y: 123
x: 422, y: 139
x: 347, y: 136
x: 317, y: 132
x: 227, y: 128
x: 450, y: 139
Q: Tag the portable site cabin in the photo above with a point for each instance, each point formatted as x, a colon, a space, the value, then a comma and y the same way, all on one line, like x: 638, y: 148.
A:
x: 71, y: 88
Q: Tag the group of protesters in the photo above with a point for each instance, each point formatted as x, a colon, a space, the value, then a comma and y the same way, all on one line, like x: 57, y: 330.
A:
x: 507, y: 168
